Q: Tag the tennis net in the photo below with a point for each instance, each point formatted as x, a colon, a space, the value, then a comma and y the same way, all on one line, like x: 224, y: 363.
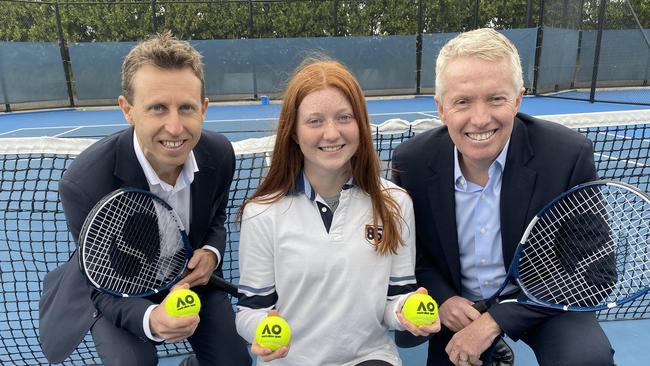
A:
x: 34, y: 238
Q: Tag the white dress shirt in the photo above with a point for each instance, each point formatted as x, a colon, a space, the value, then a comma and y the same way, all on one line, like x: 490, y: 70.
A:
x: 177, y: 196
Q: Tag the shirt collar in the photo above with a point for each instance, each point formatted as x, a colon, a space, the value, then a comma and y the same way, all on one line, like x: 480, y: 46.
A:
x: 184, y: 179
x: 498, y: 163
x: 302, y: 185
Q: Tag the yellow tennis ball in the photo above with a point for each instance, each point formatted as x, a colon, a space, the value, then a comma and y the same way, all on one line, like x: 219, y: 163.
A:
x: 273, y: 332
x: 182, y: 302
x: 420, y: 309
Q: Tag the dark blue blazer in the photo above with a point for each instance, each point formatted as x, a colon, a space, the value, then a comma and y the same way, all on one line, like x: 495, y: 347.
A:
x: 544, y: 159
x: 69, y: 305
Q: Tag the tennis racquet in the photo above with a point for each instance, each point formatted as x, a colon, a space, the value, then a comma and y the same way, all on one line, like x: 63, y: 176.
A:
x: 586, y: 250
x: 133, y: 244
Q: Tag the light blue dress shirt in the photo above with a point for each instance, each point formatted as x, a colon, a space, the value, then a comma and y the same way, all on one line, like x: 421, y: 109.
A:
x: 478, y: 222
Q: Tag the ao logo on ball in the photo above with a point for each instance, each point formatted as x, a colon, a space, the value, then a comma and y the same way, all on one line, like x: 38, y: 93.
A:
x: 273, y: 332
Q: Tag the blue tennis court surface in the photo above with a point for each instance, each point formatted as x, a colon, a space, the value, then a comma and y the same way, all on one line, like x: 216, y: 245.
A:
x: 246, y: 120
x: 243, y: 121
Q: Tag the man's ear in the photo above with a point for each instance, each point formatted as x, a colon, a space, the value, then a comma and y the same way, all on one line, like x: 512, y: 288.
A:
x: 441, y: 112
x: 126, y: 108
x: 204, y: 107
x: 519, y: 98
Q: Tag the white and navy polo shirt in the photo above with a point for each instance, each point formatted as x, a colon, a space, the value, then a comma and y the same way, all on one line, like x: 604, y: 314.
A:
x: 320, y: 271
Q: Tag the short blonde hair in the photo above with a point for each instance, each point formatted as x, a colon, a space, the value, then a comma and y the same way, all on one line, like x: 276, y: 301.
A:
x: 162, y: 50
x: 484, y: 43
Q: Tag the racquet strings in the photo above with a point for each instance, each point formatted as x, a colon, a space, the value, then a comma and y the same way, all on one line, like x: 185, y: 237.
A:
x: 134, y: 245
x: 589, y: 249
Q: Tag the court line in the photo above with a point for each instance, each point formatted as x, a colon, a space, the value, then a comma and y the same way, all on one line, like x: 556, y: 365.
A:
x: 618, y: 136
x: 123, y: 123
x: 68, y: 131
x: 59, y: 127
x: 625, y: 161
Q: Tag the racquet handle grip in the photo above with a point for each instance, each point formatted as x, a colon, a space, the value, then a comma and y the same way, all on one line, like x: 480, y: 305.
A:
x: 222, y: 284
x: 481, y: 306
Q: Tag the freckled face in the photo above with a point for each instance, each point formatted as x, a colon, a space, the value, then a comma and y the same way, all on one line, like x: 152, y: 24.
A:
x: 327, y: 133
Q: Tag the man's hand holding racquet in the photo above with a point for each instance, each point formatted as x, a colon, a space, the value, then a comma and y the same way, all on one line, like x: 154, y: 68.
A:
x: 199, y: 268
x: 457, y: 312
x: 471, y: 341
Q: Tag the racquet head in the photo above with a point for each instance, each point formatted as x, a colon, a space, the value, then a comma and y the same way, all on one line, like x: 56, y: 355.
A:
x: 588, y: 249
x: 133, y: 244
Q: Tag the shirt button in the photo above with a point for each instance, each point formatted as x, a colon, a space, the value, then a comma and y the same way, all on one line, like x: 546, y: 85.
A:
x: 486, y: 283
x: 483, y: 231
x: 324, y: 209
x: 483, y: 261
x: 482, y: 196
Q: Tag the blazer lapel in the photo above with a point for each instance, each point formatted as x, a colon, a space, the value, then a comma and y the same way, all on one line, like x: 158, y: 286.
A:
x: 443, y: 207
x: 127, y: 167
x: 201, y: 205
x: 517, y: 189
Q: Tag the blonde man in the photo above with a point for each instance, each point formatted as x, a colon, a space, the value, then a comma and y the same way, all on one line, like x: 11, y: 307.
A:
x: 475, y: 183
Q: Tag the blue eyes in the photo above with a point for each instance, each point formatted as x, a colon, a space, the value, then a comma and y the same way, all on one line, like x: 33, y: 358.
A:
x: 339, y: 118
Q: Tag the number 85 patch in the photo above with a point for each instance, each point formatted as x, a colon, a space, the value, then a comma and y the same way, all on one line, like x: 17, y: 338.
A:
x: 372, y: 233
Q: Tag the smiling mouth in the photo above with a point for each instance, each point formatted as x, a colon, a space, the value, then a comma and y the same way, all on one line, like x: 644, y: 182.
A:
x: 481, y: 136
x: 172, y: 144
x: 331, y: 148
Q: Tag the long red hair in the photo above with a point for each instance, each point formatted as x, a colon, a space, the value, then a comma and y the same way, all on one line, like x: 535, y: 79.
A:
x: 287, y: 160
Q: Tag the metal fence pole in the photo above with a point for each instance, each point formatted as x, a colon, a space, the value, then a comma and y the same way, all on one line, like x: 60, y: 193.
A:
x: 153, y: 16
x: 335, y: 17
x: 599, y: 38
x: 565, y: 14
x: 529, y: 13
x: 576, y: 69
x: 538, y: 47
x: 477, y: 4
x: 418, y: 47
x: 5, y: 98
x: 250, y: 39
x: 65, y: 57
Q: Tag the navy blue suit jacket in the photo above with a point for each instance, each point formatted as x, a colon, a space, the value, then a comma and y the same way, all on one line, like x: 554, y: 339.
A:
x: 544, y: 159
x: 69, y: 305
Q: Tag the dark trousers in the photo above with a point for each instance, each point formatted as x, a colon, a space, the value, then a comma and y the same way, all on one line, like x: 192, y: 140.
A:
x: 215, y: 341
x: 571, y: 339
